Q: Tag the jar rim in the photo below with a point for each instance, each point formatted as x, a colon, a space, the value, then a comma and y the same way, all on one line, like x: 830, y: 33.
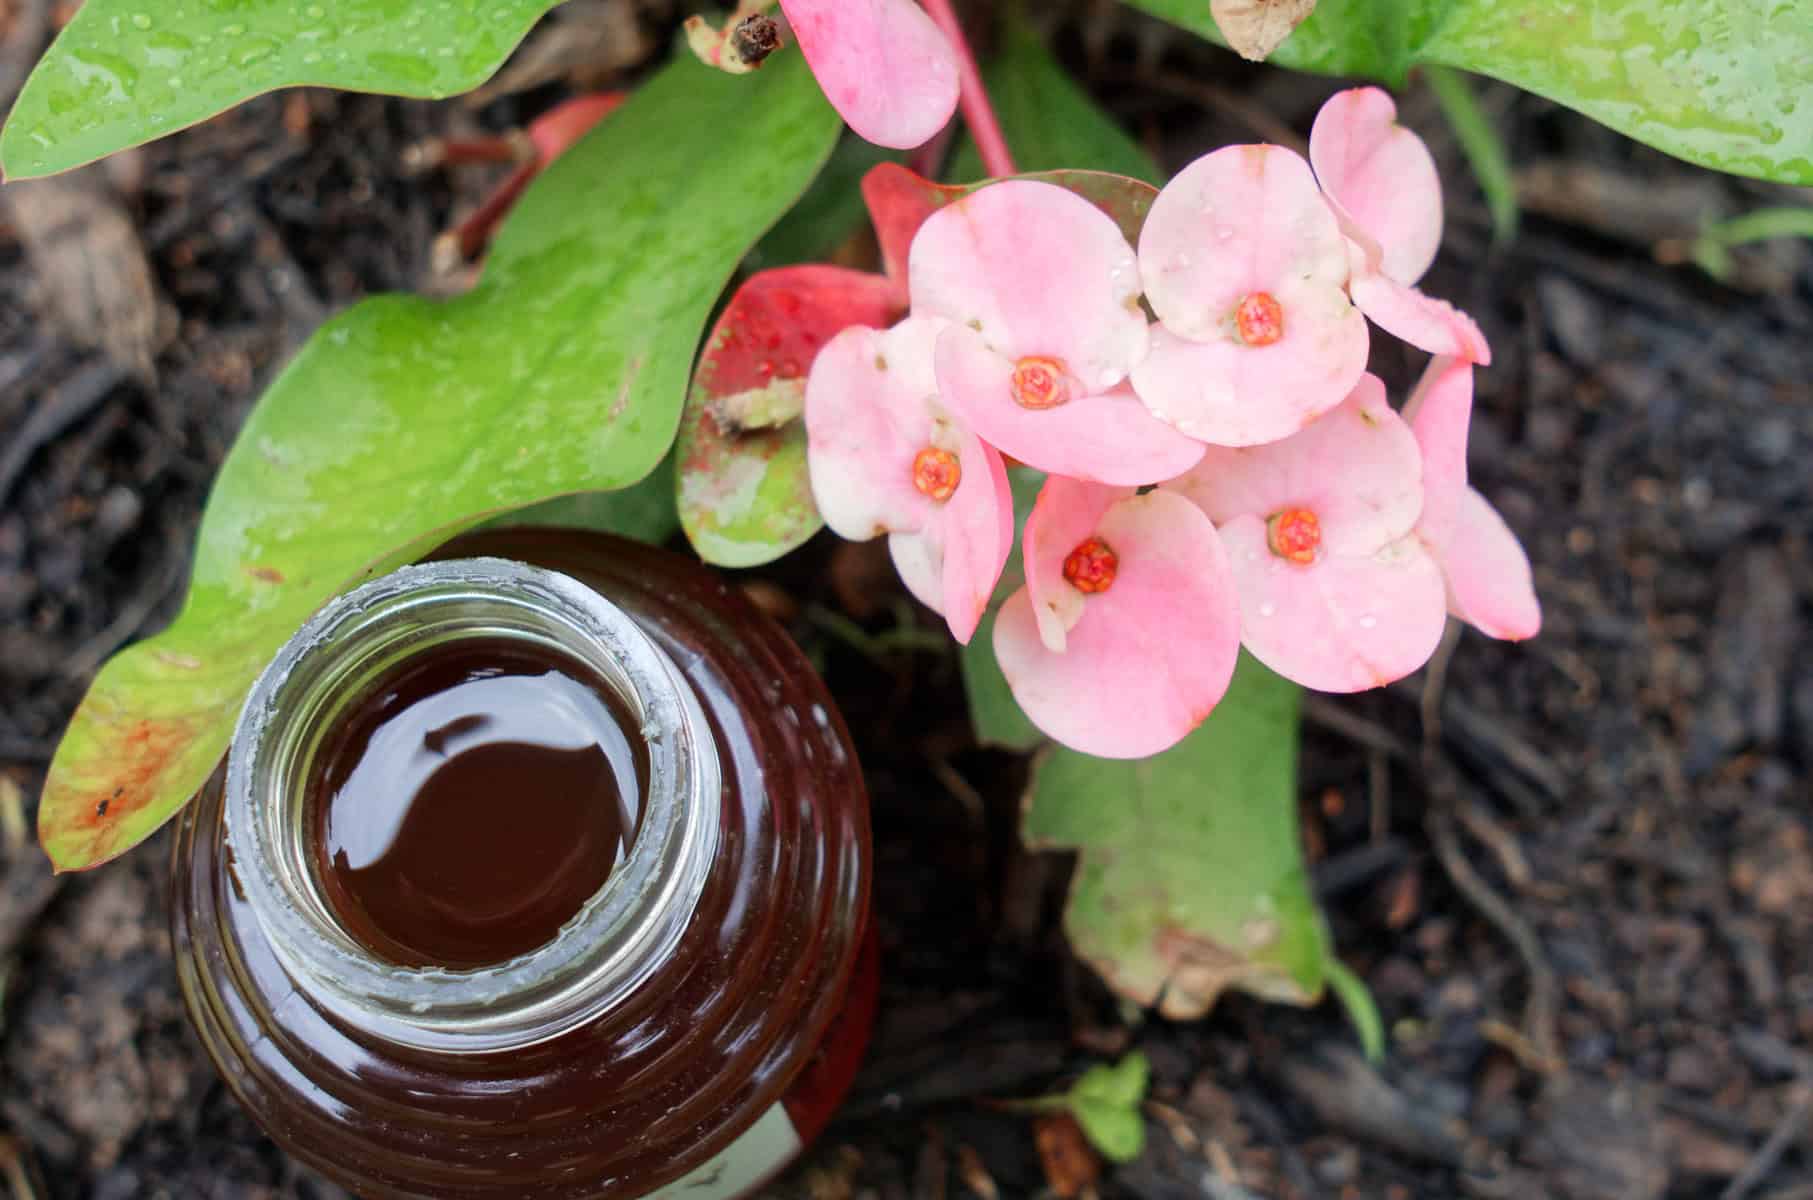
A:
x: 617, y: 937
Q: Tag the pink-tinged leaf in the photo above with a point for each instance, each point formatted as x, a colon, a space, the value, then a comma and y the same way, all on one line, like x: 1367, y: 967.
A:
x: 1489, y: 581
x: 1344, y: 623
x: 1241, y: 220
x: 1423, y: 321
x: 1036, y: 270
x: 899, y: 200
x: 1381, y: 181
x: 1107, y: 438
x: 1357, y: 469
x: 883, y: 64
x: 868, y: 415
x: 1255, y: 28
x: 744, y: 494
x: 1440, y: 412
x: 1152, y: 653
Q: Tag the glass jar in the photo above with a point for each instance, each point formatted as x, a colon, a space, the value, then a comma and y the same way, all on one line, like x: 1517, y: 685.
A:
x: 683, y: 1034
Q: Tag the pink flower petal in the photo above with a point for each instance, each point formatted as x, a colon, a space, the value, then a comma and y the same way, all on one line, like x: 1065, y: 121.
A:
x: 1423, y: 321
x: 1150, y: 656
x: 866, y: 419
x: 882, y: 63
x: 1230, y: 394
x: 1439, y: 413
x: 1381, y: 181
x: 1489, y: 582
x: 1243, y: 219
x: 1066, y: 512
x: 978, y: 531
x: 1357, y: 469
x: 919, y: 561
x: 1107, y: 438
x: 953, y: 562
x: 1344, y: 623
x: 1038, y: 271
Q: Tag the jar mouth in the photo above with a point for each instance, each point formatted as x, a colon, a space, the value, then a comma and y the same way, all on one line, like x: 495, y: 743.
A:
x: 618, y: 935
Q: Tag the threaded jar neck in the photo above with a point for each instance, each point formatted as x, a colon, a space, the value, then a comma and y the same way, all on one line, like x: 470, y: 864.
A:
x: 616, y: 939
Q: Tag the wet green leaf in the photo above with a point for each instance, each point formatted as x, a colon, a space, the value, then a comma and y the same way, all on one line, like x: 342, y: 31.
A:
x: 126, y: 71
x: 1723, y: 83
x: 404, y: 419
x: 644, y: 511
x: 1190, y: 876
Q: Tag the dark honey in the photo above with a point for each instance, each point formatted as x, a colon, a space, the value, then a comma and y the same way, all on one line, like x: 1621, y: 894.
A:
x: 471, y: 801
x: 722, y: 1053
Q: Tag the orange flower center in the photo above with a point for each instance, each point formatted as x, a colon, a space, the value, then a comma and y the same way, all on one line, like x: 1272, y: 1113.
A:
x: 1294, y: 533
x: 1039, y: 383
x: 1091, y: 567
x: 1259, y: 319
x: 936, y: 473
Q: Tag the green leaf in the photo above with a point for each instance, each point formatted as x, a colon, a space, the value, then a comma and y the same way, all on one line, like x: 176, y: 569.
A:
x: 1051, y: 123
x: 1106, y: 1103
x: 644, y: 511
x: 126, y: 71
x: 1722, y: 83
x: 829, y: 214
x: 1190, y: 876
x: 1480, y: 142
x: 407, y: 419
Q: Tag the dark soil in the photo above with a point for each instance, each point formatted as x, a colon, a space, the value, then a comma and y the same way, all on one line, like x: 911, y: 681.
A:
x: 1586, y: 908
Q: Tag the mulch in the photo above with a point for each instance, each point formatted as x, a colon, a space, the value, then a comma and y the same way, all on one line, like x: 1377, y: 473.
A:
x: 1577, y: 873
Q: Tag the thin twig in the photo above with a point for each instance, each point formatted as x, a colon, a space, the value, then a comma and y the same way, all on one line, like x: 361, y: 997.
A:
x: 1787, y: 1131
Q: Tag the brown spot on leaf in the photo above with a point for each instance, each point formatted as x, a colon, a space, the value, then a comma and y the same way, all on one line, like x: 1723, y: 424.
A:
x: 265, y: 574
x: 90, y: 805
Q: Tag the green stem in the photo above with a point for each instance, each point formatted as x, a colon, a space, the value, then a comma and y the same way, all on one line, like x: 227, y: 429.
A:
x: 1484, y: 149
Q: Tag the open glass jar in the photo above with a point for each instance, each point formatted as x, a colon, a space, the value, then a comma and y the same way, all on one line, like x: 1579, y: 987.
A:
x: 682, y: 1032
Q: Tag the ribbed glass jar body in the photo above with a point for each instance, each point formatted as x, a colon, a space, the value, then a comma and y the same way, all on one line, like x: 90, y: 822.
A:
x: 688, y: 1048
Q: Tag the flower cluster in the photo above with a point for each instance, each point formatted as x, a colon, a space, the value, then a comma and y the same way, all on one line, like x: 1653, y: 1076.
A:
x: 1225, y: 475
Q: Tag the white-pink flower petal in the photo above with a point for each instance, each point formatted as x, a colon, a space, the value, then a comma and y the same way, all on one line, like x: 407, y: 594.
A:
x: 1106, y: 438
x: 1381, y: 181
x: 1489, y: 581
x: 1038, y: 271
x: 1151, y: 654
x: 866, y: 414
x: 1344, y: 623
x: 1357, y: 469
x: 883, y: 64
x: 1243, y: 219
x: 1423, y: 321
x: 1440, y: 412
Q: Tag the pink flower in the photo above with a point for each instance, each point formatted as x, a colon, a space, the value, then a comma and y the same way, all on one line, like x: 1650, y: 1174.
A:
x: 1125, y: 635
x: 885, y: 456
x: 1487, y: 573
x: 1042, y: 295
x: 883, y: 65
x: 1336, y: 592
x: 1247, y: 271
x: 1381, y: 182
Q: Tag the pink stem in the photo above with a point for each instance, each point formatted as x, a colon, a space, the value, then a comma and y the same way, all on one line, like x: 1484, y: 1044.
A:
x: 978, y: 113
